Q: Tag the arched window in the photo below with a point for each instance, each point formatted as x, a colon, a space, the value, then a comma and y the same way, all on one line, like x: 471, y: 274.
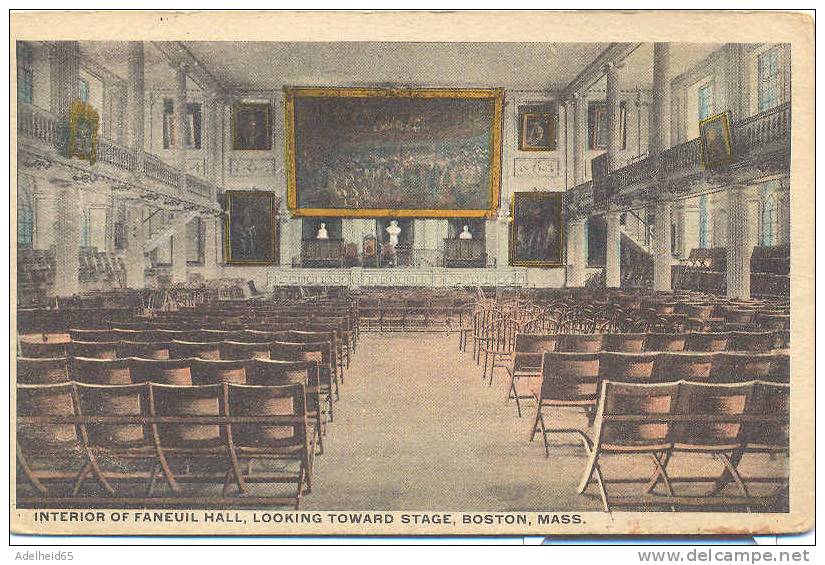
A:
x: 769, y: 221
x: 703, y: 222
x: 25, y: 215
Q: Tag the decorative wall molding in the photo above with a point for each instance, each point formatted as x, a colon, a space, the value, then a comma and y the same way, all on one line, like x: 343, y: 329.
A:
x: 247, y: 167
x: 531, y: 167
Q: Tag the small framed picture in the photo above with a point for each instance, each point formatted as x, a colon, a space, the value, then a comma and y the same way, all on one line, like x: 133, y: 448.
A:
x: 537, y: 131
x: 714, y: 133
x: 251, y: 127
x: 250, y: 228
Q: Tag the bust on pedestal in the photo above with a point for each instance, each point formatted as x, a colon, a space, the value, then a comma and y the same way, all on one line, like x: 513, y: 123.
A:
x: 322, y: 232
x: 393, y: 231
x: 465, y: 233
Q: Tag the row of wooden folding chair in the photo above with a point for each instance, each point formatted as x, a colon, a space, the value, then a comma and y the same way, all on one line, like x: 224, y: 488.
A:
x: 541, y: 371
x: 725, y: 421
x: 120, y: 434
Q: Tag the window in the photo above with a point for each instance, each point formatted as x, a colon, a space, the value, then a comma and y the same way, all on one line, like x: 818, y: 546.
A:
x: 25, y: 215
x: 83, y: 89
x: 705, y: 99
x: 86, y: 228
x: 25, y: 73
x: 703, y: 222
x: 192, y: 125
x: 769, y: 80
x: 769, y: 218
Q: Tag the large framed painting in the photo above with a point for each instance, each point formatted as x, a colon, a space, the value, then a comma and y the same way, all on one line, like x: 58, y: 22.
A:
x: 371, y: 152
x: 536, y: 230
x: 250, y: 228
x: 714, y: 133
x: 251, y: 126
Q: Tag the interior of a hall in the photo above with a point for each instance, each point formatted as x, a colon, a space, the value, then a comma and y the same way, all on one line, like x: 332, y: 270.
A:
x: 655, y: 232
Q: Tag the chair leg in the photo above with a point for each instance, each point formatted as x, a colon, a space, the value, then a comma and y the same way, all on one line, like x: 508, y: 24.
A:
x: 30, y: 475
x: 536, y: 422
x: 654, y: 480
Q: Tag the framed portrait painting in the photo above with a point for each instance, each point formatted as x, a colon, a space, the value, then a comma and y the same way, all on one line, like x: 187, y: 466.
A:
x: 537, y: 131
x: 714, y: 134
x: 251, y: 127
x: 537, y: 229
x: 83, y: 126
x: 250, y: 228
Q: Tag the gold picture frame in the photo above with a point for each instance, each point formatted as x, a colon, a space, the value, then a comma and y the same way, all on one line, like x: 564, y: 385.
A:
x: 250, y: 248
x: 261, y: 138
x: 496, y: 95
x: 83, y: 126
x: 533, y: 249
x: 715, y: 140
x: 537, y: 131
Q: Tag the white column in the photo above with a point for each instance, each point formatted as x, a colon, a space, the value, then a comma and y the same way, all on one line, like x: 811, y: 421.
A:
x: 576, y: 248
x: 662, y: 257
x: 135, y: 242
x: 578, y: 106
x: 135, y: 106
x: 179, y: 252
x: 783, y: 210
x: 44, y: 216
x: 64, y: 71
x: 690, y: 228
x: 613, y: 252
x: 210, y: 247
x: 739, y: 246
x: 180, y: 124
x: 614, y: 141
x: 286, y: 237
x: 659, y: 127
x: 67, y: 242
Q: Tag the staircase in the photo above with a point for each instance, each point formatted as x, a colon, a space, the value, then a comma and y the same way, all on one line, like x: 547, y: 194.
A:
x: 636, y: 255
x: 162, y: 232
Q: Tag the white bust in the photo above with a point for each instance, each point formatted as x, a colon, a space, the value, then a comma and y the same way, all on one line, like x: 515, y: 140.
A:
x: 465, y: 233
x: 393, y: 231
x: 322, y: 232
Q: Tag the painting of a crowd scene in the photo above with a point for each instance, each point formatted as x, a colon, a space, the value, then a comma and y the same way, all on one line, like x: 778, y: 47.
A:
x: 536, y: 230
x: 400, y: 152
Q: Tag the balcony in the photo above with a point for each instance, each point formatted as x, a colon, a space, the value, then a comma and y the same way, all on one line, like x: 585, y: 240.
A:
x: 39, y: 131
x: 761, y: 146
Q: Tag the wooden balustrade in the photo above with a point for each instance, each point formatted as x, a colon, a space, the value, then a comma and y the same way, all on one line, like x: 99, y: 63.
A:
x: 36, y: 123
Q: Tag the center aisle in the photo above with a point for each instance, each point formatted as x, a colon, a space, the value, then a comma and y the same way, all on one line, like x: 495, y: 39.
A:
x: 416, y: 429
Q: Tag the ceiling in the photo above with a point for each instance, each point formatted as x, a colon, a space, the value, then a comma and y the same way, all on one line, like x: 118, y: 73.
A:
x: 251, y: 66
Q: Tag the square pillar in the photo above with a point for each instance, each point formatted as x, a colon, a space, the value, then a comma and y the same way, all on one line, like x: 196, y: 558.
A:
x: 576, y: 252
x: 67, y: 246
x: 135, y: 241
x: 613, y: 252
x: 180, y: 248
x: 740, y: 244
x: 662, y: 257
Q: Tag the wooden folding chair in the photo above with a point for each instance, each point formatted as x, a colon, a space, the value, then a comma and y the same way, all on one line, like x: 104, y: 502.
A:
x: 623, y: 343
x: 237, y: 350
x: 120, y: 445
x: 191, y: 349
x: 498, y: 347
x: 579, y: 343
x: 145, y: 350
x: 100, y: 371
x: 43, y: 349
x: 629, y: 421
x: 320, y: 353
x: 161, y: 371
x: 42, y: 371
x: 525, y: 363
x: 676, y: 366
x: 214, y: 371
x: 751, y: 341
x: 280, y: 436
x: 269, y: 372
x: 50, y: 446
x: 91, y: 335
x: 664, y: 342
x: 191, y: 433
x: 94, y: 349
x: 709, y: 342
x: 569, y: 380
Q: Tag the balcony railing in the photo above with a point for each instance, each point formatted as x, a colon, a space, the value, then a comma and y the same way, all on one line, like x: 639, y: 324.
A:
x: 750, y: 135
x: 38, y: 124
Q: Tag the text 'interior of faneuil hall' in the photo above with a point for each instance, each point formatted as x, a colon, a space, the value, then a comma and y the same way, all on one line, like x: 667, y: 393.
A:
x: 403, y: 276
